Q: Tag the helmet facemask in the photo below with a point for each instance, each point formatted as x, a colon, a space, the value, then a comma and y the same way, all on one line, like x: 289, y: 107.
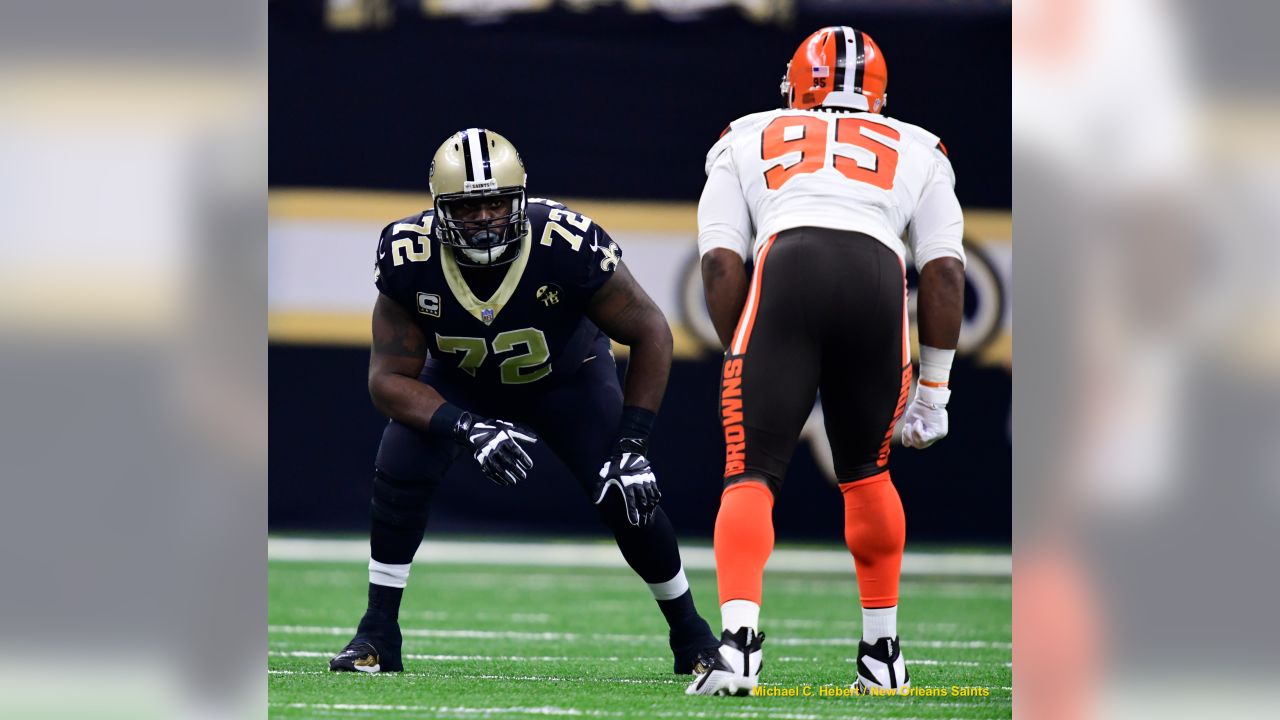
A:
x: 478, y: 189
x: 482, y: 242
x: 788, y: 95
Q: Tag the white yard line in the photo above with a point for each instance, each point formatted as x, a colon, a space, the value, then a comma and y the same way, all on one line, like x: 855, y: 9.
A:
x: 607, y: 556
x: 485, y: 658
x: 611, y: 637
x: 583, y: 658
x: 852, y: 642
x: 547, y: 710
x: 516, y: 678
x: 552, y: 710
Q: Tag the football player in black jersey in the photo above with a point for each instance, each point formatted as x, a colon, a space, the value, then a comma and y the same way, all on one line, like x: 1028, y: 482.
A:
x: 491, y: 333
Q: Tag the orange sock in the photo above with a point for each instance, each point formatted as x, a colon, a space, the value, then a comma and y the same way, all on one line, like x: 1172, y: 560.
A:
x: 875, y: 530
x: 743, y: 540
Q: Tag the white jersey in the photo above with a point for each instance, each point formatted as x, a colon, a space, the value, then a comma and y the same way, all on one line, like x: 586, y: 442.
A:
x: 845, y: 170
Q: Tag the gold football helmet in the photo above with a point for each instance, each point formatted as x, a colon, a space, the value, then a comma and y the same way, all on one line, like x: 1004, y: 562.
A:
x: 478, y: 189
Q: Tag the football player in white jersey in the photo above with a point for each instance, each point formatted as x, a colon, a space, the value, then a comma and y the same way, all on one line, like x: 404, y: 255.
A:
x: 819, y: 196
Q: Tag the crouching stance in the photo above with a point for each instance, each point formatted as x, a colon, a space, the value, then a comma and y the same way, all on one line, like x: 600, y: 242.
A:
x: 490, y: 334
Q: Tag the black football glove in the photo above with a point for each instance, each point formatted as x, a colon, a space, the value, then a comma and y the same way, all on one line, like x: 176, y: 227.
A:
x: 628, y: 470
x: 496, y: 446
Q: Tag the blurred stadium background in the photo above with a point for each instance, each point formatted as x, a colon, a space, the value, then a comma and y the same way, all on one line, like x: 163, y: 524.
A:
x: 613, y: 106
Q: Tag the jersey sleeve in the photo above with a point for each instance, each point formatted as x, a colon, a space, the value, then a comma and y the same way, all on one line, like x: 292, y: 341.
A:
x: 602, y: 256
x: 583, y: 268
x: 936, y: 229
x: 731, y: 133
x: 391, y: 278
x: 724, y: 219
x: 382, y: 264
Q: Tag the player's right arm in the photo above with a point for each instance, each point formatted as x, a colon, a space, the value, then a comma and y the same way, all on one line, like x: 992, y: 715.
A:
x: 936, y: 235
x: 399, y: 351
x: 724, y: 236
x: 398, y: 354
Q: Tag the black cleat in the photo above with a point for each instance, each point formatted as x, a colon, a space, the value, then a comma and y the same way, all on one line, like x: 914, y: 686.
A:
x: 731, y: 669
x: 690, y: 642
x: 375, y: 648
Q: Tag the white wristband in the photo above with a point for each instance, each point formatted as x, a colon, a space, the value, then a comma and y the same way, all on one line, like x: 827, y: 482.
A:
x: 935, y: 365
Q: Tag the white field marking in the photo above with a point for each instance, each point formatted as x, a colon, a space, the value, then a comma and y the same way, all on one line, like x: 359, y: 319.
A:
x: 437, y: 633
x: 910, y: 661
x: 584, y: 658
x: 545, y: 710
x: 306, y: 650
x: 853, y: 642
x: 601, y: 555
x: 959, y: 663
x: 518, y: 678
x: 416, y: 656
x: 551, y: 710
x: 470, y: 634
x: 573, y: 637
x: 794, y: 623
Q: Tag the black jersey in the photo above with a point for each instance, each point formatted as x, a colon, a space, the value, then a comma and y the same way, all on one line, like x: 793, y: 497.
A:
x: 533, y: 329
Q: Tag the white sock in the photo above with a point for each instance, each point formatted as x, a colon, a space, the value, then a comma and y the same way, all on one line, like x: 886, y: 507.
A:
x: 396, y: 576
x: 879, y: 622
x: 739, y: 614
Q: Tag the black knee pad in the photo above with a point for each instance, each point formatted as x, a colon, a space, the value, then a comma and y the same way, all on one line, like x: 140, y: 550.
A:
x: 399, y: 503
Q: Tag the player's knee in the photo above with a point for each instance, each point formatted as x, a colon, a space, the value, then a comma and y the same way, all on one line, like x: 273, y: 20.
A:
x: 412, y: 457
x: 874, y: 525
x: 773, y: 482
x: 396, y: 502
x: 868, y: 540
x: 613, y: 512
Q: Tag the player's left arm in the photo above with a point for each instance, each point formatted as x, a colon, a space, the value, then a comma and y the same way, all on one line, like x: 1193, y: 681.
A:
x: 626, y: 313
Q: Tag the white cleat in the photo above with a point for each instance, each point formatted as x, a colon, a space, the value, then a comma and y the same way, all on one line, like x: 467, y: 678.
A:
x: 881, y: 669
x: 731, y: 669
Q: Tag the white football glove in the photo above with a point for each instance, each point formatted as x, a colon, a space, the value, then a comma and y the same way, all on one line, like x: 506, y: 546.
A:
x: 628, y: 470
x: 925, y: 421
x: 496, y: 446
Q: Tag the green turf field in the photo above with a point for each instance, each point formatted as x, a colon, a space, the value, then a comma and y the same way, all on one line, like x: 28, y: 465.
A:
x: 504, y: 641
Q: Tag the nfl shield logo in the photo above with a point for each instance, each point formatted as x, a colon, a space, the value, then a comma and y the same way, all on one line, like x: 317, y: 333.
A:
x: 486, y: 315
